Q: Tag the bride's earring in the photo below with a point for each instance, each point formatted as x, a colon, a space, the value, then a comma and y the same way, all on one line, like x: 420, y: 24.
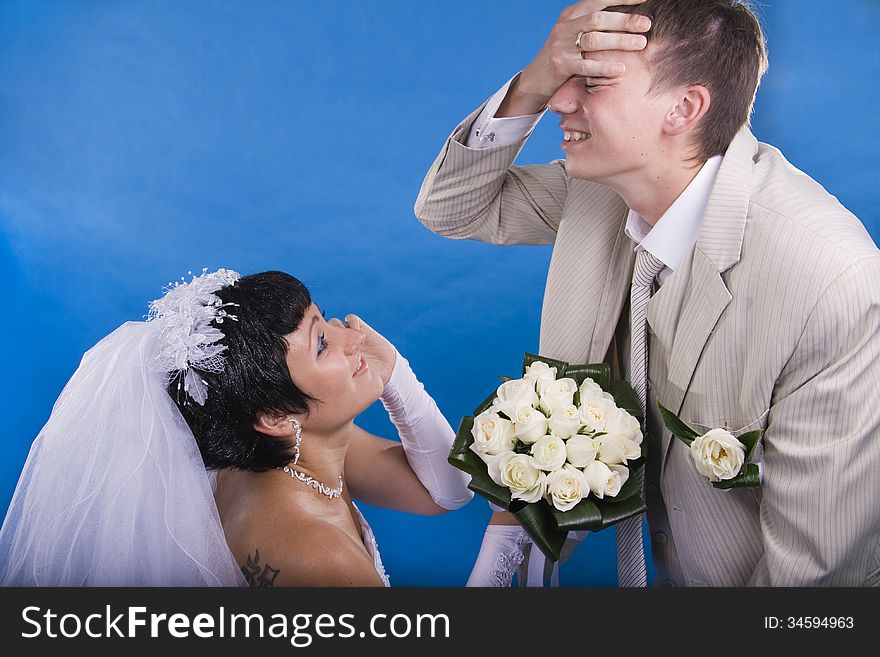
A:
x: 298, y: 442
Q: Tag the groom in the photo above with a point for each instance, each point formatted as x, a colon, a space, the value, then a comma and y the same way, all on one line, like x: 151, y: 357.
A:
x: 764, y: 308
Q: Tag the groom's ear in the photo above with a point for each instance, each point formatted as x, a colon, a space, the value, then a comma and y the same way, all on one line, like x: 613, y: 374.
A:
x: 273, y: 424
x: 689, y: 107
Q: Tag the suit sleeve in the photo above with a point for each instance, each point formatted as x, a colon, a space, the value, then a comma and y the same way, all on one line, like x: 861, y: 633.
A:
x: 478, y: 193
x: 820, y: 518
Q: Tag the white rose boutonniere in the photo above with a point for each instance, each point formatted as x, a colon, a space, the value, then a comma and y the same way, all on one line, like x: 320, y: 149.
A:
x: 718, y: 455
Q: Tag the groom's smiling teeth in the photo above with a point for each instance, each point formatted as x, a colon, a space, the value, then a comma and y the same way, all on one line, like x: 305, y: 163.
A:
x: 575, y: 136
x: 362, y: 365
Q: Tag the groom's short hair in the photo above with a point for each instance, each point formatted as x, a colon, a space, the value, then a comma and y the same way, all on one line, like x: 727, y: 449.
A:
x: 716, y: 43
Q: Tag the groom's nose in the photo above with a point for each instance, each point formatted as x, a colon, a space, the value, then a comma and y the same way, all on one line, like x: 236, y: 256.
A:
x: 568, y: 98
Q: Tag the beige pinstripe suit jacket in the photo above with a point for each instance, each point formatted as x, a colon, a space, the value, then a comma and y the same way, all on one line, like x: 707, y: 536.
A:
x: 773, y: 321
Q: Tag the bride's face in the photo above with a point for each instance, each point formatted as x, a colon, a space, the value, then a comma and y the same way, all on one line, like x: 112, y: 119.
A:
x: 325, y: 362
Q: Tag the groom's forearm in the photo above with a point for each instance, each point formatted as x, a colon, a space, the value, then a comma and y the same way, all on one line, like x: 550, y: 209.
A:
x: 474, y: 191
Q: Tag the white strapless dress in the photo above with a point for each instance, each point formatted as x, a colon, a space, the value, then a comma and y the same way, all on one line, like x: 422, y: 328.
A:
x: 372, y: 547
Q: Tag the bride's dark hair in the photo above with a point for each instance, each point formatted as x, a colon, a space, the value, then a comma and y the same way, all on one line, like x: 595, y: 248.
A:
x: 269, y: 306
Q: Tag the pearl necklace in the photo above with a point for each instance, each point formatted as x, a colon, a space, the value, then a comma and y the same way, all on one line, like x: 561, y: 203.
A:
x: 332, y: 493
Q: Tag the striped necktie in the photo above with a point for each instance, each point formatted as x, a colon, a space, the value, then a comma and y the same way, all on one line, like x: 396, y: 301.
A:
x: 631, y: 569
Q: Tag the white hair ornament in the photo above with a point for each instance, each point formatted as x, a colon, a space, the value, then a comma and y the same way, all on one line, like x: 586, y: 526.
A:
x: 189, y: 312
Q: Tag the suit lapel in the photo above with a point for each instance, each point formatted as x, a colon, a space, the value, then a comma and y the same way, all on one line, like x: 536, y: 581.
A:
x: 684, y: 316
x: 706, y: 298
x: 615, y: 293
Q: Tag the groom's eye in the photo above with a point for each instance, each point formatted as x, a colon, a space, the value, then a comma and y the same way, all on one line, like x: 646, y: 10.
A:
x: 322, y: 344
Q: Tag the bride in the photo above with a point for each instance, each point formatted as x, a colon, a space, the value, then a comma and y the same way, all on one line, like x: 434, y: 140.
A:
x: 215, y: 444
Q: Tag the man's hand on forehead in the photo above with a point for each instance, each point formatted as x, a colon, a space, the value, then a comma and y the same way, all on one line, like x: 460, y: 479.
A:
x: 599, y: 30
x: 582, y: 29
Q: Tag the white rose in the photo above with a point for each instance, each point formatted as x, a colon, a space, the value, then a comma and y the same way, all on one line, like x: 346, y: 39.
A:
x: 521, y: 474
x: 514, y: 395
x: 604, y: 479
x: 540, y: 374
x: 492, y: 435
x: 618, y: 479
x: 595, y: 413
x: 614, y: 450
x: 566, y: 421
x: 567, y: 487
x: 530, y: 424
x: 557, y: 394
x: 718, y: 455
x: 580, y: 450
x: 549, y: 453
x: 621, y: 423
x: 590, y: 390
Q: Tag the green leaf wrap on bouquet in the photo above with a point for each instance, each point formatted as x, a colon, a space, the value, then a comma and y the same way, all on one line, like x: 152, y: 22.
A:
x: 539, y: 524
x: 482, y: 408
x: 560, y: 365
x: 461, y: 455
x: 625, y: 397
x: 599, y: 372
x: 585, y: 515
x: 613, y: 512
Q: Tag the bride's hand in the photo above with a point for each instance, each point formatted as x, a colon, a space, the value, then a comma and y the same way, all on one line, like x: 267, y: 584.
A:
x: 379, y: 353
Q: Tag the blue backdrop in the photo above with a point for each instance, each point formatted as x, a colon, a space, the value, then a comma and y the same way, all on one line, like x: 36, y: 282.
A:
x: 139, y: 140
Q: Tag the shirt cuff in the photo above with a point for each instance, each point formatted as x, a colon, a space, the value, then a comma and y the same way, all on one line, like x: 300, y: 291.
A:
x: 489, y: 131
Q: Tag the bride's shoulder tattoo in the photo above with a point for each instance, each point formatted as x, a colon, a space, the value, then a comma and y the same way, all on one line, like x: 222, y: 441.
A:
x: 259, y: 574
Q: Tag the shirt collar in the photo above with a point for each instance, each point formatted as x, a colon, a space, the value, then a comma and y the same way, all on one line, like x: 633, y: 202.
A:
x: 675, y: 233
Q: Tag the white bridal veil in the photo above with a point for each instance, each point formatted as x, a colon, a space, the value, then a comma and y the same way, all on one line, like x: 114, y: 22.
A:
x: 114, y: 491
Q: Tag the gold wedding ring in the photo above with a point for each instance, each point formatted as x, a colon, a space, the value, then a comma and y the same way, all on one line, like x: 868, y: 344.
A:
x: 577, y: 42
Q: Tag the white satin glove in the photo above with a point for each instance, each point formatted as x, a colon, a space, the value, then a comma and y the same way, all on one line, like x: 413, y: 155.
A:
x: 507, y: 549
x: 426, y: 437
x: 502, y: 552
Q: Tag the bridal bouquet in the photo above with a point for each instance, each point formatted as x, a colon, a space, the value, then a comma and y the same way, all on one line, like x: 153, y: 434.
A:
x: 558, y: 447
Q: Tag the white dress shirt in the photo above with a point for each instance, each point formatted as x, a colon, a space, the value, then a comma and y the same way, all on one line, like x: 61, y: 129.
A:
x: 674, y: 234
